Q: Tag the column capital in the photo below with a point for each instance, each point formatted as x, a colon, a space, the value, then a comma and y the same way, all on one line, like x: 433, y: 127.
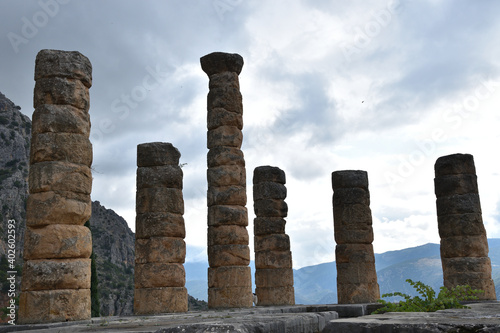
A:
x: 218, y: 62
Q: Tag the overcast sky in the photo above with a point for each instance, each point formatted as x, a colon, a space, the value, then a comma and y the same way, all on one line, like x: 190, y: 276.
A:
x: 382, y: 86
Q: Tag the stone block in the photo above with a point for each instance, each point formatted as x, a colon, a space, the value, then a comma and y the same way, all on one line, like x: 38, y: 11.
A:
x: 219, y: 62
x: 360, y: 236
x: 159, y: 200
x: 227, y: 195
x: 268, y: 173
x: 356, y: 272
x: 458, y: 204
x: 455, y: 184
x: 160, y: 249
x: 229, y: 276
x: 269, y: 190
x: 60, y: 176
x: 461, y: 225
x: 227, y: 234
x: 487, y: 285
x: 61, y: 91
x: 354, y: 253
x: 464, y: 246
x: 273, y: 259
x: 230, y: 297
x: 46, y: 208
x: 159, y: 225
x: 157, y: 274
x: 47, y: 306
x: 353, y: 293
x: 270, y: 208
x: 351, y: 196
x: 275, y: 295
x: 148, y: 301
x: 66, y: 64
x: 221, y: 117
x: 352, y: 217
x: 159, y: 176
x: 57, y: 241
x: 268, y: 225
x: 62, y: 147
x: 50, y: 118
x: 228, y: 255
x: 349, y: 179
x: 457, y: 266
x: 228, y: 136
x: 218, y: 156
x: 227, y: 175
x: 227, y: 215
x: 278, y: 277
x: 273, y: 242
x: 52, y: 274
x: 455, y: 164
x: 157, y: 154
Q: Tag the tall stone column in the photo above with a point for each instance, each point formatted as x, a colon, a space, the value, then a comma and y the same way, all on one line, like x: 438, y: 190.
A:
x: 273, y: 258
x: 57, y: 246
x: 464, y: 245
x: 229, y: 276
x: 160, y: 249
x: 356, y: 274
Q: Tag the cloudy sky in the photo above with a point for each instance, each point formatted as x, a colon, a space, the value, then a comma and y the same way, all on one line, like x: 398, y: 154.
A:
x: 382, y: 86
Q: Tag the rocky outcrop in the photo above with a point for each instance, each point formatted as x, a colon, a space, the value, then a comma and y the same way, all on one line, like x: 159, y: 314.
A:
x: 464, y: 246
x: 57, y: 246
x: 356, y: 274
x: 229, y: 276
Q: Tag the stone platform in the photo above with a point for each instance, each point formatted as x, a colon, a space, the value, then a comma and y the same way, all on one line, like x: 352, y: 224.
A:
x: 482, y: 317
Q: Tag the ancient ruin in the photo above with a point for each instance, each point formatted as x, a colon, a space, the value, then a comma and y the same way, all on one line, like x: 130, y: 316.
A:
x: 160, y: 249
x: 356, y: 274
x: 464, y: 246
x: 273, y: 258
x: 229, y: 276
x: 57, y: 246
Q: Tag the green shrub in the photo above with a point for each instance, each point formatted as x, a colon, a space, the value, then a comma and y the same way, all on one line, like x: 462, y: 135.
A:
x: 428, y: 302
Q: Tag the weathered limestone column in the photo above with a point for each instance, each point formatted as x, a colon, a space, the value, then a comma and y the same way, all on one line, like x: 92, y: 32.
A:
x: 160, y: 249
x: 273, y: 259
x: 57, y: 246
x: 464, y: 245
x: 229, y: 276
x: 356, y: 274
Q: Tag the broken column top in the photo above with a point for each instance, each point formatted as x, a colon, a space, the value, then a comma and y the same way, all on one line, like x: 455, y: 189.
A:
x: 157, y: 154
x: 455, y: 164
x: 268, y: 174
x: 218, y: 62
x: 68, y: 64
x: 349, y: 178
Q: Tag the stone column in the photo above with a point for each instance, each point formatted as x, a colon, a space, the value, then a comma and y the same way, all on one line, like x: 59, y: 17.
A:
x: 464, y: 246
x: 57, y: 245
x: 356, y: 274
x: 160, y: 249
x: 273, y: 259
x: 229, y: 276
